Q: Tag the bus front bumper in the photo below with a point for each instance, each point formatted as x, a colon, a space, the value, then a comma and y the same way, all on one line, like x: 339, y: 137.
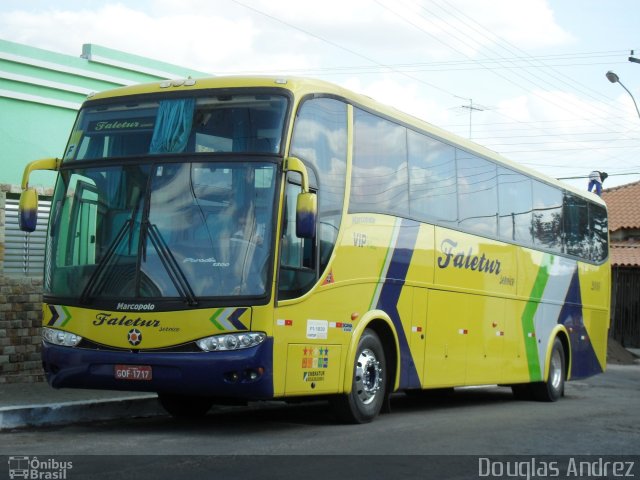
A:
x: 240, y: 374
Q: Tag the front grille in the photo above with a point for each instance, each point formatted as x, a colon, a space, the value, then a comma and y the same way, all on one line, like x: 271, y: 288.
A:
x: 184, y: 348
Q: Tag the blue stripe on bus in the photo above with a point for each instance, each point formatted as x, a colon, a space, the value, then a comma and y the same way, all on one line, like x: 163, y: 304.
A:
x: 390, y: 296
x: 584, y: 359
x: 54, y: 315
x: 234, y: 318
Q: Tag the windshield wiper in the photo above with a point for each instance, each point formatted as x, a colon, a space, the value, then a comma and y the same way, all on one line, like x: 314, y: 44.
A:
x: 170, y: 264
x: 99, y: 272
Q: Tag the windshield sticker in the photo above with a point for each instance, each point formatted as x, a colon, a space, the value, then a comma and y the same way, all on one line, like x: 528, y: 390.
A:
x: 214, y: 263
x: 131, y: 124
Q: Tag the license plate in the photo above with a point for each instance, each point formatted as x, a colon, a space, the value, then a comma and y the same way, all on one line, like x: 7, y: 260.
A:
x: 133, y: 372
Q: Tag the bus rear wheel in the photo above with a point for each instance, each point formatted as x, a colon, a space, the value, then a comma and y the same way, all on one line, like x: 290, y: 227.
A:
x: 553, y: 389
x: 184, y: 406
x: 369, y: 384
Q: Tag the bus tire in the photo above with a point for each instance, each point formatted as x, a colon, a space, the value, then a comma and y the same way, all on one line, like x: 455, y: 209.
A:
x: 184, y: 406
x: 553, y: 389
x: 522, y: 391
x: 369, y: 384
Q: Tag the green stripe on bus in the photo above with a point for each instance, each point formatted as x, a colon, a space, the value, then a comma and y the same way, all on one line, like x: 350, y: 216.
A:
x: 214, y: 320
x: 528, y: 324
x: 67, y: 315
x: 385, y: 265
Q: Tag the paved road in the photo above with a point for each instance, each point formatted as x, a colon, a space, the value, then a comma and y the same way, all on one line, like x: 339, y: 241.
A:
x: 598, y: 416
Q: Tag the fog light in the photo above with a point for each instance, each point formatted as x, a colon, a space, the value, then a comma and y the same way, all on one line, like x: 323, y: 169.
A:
x: 254, y: 374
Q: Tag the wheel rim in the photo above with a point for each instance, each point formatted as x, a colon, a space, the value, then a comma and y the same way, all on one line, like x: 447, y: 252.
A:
x: 555, y: 375
x: 368, y: 376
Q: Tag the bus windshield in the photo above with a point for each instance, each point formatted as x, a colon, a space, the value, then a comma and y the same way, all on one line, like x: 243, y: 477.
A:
x: 223, y: 123
x: 167, y: 230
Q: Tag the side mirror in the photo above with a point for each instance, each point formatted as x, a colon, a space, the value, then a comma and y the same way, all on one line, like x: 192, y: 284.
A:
x: 28, y: 210
x: 28, y: 207
x: 306, y: 215
x: 307, y: 202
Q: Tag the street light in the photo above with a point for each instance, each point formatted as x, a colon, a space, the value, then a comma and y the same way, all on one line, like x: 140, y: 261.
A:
x: 613, y: 78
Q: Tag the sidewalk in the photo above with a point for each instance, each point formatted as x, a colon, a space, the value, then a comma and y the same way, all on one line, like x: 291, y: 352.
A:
x: 37, y: 405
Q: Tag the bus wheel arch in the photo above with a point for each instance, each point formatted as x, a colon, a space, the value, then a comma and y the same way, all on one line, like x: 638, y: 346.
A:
x: 391, y: 348
x: 566, y: 345
x: 561, y: 334
x: 552, y: 388
x: 370, y: 372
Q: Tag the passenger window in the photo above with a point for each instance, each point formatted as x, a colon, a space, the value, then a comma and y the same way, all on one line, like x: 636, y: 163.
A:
x: 514, y: 202
x: 432, y: 179
x: 477, y: 194
x: 599, y: 232
x: 576, y: 226
x: 380, y: 180
x: 320, y: 139
x: 547, y: 217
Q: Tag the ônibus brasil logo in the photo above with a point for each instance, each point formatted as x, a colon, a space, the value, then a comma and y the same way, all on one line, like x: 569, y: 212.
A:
x: 27, y: 467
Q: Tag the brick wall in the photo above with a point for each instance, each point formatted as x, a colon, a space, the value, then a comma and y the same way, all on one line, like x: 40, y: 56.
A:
x: 20, y: 320
x: 20, y: 317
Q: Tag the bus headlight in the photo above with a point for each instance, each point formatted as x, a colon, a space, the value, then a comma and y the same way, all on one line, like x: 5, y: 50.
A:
x: 59, y: 337
x: 231, y: 341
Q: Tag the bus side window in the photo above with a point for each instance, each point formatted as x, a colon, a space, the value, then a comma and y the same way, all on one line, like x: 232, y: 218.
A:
x: 298, y: 270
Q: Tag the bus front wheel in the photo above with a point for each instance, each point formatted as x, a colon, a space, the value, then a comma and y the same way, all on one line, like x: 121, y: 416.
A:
x: 369, y: 384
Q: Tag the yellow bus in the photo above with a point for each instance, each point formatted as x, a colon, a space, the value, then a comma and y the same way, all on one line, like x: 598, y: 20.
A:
x: 235, y: 239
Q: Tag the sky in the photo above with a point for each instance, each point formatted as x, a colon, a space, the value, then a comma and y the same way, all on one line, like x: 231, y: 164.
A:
x: 525, y: 78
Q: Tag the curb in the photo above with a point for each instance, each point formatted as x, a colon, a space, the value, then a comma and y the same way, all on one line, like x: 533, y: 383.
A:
x: 79, y: 411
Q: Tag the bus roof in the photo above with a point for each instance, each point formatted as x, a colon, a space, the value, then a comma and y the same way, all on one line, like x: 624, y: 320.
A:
x: 301, y: 87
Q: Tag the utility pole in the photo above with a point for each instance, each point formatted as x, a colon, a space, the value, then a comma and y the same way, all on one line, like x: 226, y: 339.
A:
x: 471, y: 107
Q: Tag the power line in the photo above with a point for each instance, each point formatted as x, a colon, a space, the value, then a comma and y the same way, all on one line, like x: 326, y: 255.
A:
x: 448, y: 66
x: 515, y: 73
x: 511, y: 48
x: 610, y: 175
x: 341, y: 47
x: 449, y: 33
x: 492, y: 37
x: 607, y: 147
x: 538, y: 135
x: 512, y: 63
